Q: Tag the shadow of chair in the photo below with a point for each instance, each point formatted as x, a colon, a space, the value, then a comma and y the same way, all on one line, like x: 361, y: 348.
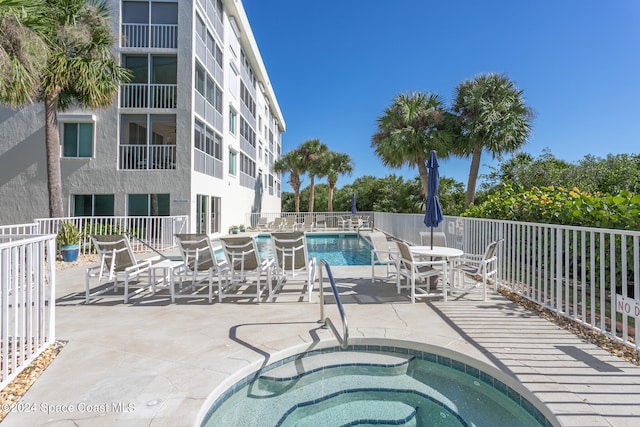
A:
x: 118, y: 264
x: 293, y: 264
x: 200, y: 267
x: 381, y: 254
x: 479, y: 269
x: 244, y: 262
x: 412, y: 269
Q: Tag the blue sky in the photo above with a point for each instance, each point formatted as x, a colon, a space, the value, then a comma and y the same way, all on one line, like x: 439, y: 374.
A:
x: 335, y: 65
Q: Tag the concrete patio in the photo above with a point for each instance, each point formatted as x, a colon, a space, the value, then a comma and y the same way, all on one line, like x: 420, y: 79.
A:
x: 153, y: 363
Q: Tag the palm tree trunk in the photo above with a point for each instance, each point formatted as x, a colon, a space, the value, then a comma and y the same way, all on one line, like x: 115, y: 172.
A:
x: 311, y: 192
x: 330, y: 197
x: 473, y: 176
x: 424, y: 176
x: 52, y: 142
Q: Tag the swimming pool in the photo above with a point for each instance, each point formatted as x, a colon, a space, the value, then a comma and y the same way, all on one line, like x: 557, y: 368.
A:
x: 372, y: 384
x: 336, y: 249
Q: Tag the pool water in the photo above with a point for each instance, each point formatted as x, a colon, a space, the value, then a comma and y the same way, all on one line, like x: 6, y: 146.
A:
x: 336, y: 249
x: 364, y: 387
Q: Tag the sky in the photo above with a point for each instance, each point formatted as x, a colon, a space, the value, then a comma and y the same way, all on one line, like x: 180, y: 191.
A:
x: 335, y: 65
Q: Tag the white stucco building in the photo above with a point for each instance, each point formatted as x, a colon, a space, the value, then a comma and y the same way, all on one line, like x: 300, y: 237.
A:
x: 194, y: 133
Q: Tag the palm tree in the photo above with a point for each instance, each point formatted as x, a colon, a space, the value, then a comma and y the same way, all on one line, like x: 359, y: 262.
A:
x: 334, y: 165
x: 312, y: 152
x: 80, y: 69
x: 292, y: 162
x: 412, y: 126
x: 493, y: 116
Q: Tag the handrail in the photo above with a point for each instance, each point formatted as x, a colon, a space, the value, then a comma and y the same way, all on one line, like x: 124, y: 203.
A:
x: 344, y: 341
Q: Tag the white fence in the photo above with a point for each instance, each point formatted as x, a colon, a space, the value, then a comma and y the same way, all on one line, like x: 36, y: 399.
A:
x: 145, y: 232
x: 575, y: 271
x: 27, y: 300
x: 332, y: 219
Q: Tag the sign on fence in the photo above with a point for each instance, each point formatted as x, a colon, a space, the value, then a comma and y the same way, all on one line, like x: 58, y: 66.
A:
x: 627, y: 306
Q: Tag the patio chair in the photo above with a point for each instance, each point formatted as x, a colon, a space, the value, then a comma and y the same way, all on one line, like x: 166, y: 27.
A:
x: 321, y: 221
x: 290, y: 223
x: 244, y: 263
x: 439, y: 238
x: 411, y: 269
x: 480, y: 269
x: 307, y: 224
x: 382, y: 254
x: 200, y: 267
x: 293, y: 263
x: 343, y: 222
x: 277, y: 224
x: 262, y: 224
x: 118, y: 264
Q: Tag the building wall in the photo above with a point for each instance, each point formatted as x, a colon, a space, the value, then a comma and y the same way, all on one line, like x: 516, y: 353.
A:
x: 23, y: 179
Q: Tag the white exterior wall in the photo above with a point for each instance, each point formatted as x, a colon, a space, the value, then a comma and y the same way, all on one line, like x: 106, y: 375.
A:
x: 23, y: 179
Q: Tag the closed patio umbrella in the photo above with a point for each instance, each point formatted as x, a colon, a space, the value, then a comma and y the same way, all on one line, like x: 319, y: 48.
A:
x: 433, y: 212
x: 353, y: 204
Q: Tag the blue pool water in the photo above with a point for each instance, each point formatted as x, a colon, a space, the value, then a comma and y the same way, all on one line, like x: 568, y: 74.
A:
x: 336, y: 249
x: 372, y: 385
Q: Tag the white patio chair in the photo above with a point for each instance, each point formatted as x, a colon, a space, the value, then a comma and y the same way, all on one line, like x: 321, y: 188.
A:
x: 411, y: 269
x: 307, y: 223
x: 262, y: 224
x: 244, y: 263
x: 277, y: 224
x: 479, y: 269
x: 321, y: 221
x: 439, y: 238
x: 381, y: 254
x: 343, y: 222
x: 117, y: 264
x: 200, y: 267
x: 290, y: 223
x: 293, y: 264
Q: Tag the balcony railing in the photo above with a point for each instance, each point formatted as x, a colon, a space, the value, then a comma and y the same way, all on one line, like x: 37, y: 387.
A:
x: 143, y: 95
x: 133, y: 156
x: 150, y: 35
x: 207, y: 164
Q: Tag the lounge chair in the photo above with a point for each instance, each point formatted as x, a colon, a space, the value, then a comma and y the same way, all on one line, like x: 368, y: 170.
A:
x: 277, y: 224
x: 321, y: 221
x: 343, y: 222
x: 411, y: 269
x: 290, y: 223
x: 293, y: 260
x: 262, y: 224
x: 382, y: 254
x: 118, y: 264
x: 479, y: 269
x: 307, y: 224
x: 200, y: 267
x: 244, y: 263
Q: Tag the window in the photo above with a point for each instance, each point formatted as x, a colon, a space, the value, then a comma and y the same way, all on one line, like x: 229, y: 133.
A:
x: 148, y: 205
x: 77, y: 139
x: 232, y: 162
x: 232, y: 121
x: 92, y: 205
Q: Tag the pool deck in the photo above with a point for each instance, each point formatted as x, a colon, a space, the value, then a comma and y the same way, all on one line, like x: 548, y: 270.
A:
x: 154, y: 363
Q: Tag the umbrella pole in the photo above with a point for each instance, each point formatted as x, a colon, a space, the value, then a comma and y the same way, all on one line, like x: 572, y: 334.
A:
x: 431, y: 237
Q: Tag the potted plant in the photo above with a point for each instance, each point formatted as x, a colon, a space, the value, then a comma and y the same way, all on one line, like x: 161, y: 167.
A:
x: 68, y: 241
x: 242, y: 228
x: 233, y: 229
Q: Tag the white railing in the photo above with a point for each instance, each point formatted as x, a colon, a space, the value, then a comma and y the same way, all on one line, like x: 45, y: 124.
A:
x: 19, y: 229
x: 148, y: 95
x: 575, y: 271
x: 27, y: 300
x: 136, y: 156
x: 334, y: 220
x: 150, y: 35
x: 207, y: 164
x: 156, y: 231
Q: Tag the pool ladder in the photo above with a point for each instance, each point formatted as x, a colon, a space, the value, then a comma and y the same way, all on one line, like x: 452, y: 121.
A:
x: 344, y: 340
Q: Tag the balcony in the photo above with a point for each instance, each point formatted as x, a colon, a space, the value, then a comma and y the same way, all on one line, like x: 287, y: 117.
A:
x: 163, y: 36
x: 141, y: 95
x: 147, y: 157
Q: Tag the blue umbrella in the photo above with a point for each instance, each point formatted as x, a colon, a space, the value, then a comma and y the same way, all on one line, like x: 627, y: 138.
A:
x: 353, y: 204
x: 433, y: 212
